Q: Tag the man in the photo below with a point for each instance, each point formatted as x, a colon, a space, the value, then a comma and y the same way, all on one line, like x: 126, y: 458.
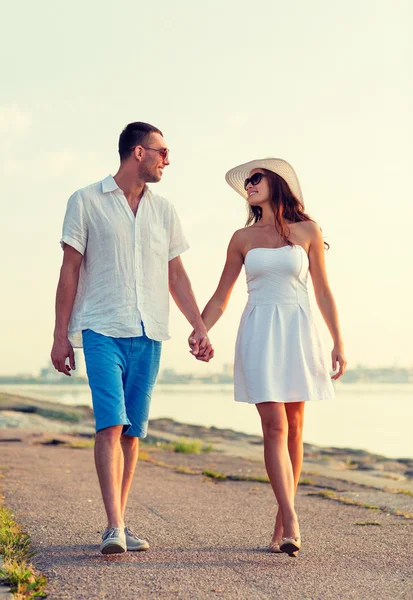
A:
x: 122, y: 247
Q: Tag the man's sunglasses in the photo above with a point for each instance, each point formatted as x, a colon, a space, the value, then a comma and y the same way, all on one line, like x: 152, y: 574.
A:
x: 253, y: 180
x: 164, y: 152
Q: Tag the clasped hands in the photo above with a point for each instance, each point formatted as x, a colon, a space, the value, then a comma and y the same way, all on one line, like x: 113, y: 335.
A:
x: 200, y: 346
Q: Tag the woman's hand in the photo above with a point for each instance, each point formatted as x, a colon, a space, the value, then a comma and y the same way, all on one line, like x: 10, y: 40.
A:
x: 338, y: 356
x: 200, y: 346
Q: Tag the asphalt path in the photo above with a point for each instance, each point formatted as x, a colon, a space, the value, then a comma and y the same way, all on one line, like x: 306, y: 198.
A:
x: 208, y: 539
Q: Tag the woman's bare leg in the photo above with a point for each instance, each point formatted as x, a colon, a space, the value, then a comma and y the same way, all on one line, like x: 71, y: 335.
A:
x: 295, y: 418
x: 278, y: 463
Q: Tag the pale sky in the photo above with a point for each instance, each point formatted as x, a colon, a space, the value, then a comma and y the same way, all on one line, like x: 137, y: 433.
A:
x: 325, y: 85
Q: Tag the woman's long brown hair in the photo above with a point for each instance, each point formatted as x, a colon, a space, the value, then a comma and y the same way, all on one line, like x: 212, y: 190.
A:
x: 285, y: 205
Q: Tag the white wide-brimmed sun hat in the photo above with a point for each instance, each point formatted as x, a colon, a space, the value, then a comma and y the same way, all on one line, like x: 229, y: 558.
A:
x: 236, y: 176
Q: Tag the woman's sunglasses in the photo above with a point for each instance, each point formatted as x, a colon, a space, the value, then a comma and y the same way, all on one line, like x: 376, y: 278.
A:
x: 253, y: 180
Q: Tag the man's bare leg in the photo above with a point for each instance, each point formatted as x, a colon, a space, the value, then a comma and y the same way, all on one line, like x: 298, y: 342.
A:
x: 109, y: 462
x: 130, y: 448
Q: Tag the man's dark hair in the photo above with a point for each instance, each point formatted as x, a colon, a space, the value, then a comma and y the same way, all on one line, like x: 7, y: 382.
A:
x: 134, y: 135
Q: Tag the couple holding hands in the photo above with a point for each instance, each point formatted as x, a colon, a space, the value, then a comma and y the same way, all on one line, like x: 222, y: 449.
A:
x: 122, y: 245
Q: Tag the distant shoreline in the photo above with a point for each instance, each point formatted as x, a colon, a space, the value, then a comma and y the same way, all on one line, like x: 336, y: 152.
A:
x: 351, y: 377
x: 327, y: 424
x: 51, y: 419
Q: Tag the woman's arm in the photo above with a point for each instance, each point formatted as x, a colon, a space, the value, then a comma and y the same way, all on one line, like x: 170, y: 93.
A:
x: 325, y: 299
x: 215, y: 307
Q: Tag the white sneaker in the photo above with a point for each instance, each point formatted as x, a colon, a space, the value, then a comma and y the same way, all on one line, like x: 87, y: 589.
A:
x: 133, y: 542
x: 113, y: 541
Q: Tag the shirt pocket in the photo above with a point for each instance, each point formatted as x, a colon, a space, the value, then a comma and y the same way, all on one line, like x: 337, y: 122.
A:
x: 157, y: 240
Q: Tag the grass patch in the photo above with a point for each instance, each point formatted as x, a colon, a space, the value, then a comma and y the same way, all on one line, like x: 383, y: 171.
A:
x: 187, y: 470
x: 214, y: 475
x: 404, y: 492
x: 306, y: 482
x: 392, y: 476
x: 364, y: 505
x: 16, y: 571
x: 401, y: 513
x: 207, y: 472
x: 324, y: 494
x: 254, y: 478
x: 328, y: 495
x: 187, y: 446
x: 81, y: 444
x: 372, y: 523
x: 222, y: 477
x: 207, y: 448
x: 59, y: 415
x: 146, y: 457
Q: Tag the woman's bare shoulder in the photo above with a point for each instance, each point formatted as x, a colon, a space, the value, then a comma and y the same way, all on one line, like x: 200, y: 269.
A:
x: 308, y: 229
x: 241, y: 235
x: 310, y: 226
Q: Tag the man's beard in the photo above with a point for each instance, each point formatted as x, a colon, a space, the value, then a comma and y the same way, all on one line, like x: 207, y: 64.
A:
x: 151, y: 177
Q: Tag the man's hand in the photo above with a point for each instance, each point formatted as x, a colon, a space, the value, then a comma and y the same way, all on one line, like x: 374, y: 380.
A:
x: 206, y: 355
x: 200, y: 346
x: 63, y: 349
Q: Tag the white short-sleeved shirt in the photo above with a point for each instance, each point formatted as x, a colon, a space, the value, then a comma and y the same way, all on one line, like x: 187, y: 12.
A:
x: 123, y: 278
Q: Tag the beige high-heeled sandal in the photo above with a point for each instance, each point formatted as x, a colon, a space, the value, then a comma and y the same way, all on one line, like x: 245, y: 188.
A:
x: 275, y: 548
x: 290, y: 545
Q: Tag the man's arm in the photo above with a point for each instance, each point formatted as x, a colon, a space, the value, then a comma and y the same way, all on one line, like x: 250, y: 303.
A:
x: 65, y: 298
x: 181, y: 291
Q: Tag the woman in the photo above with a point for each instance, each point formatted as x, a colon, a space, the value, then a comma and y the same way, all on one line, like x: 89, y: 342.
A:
x: 279, y: 362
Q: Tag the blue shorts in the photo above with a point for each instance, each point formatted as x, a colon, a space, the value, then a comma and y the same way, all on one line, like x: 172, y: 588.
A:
x: 121, y: 373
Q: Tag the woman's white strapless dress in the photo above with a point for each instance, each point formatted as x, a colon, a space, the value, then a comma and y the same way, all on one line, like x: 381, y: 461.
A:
x: 278, y: 353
